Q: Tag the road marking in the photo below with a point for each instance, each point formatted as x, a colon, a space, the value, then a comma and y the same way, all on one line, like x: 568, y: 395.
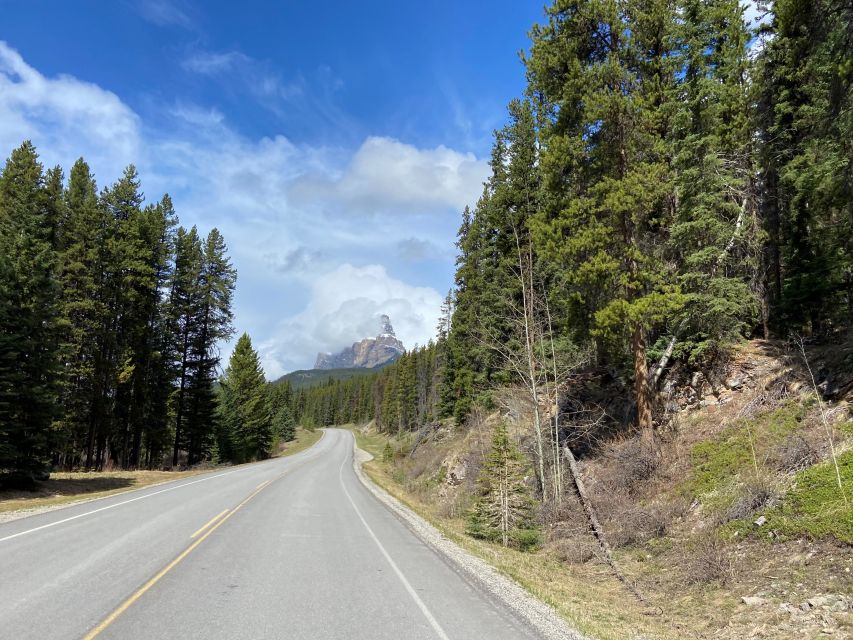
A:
x: 113, y: 506
x: 147, y: 495
x: 427, y: 614
x: 209, y: 522
x: 262, y: 484
x: 124, y: 606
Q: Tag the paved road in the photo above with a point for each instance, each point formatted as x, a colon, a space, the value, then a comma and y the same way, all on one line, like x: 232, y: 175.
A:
x: 303, y: 551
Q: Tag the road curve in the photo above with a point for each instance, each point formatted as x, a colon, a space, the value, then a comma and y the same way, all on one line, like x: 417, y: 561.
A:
x: 291, y: 548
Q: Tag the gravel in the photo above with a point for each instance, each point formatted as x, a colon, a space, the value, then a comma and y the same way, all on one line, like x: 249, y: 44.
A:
x: 539, y: 615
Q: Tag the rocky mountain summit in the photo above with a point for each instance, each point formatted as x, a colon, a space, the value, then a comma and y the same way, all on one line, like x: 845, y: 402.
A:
x: 366, y: 354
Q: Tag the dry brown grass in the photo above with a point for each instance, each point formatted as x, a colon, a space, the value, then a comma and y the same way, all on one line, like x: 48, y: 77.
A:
x: 66, y: 487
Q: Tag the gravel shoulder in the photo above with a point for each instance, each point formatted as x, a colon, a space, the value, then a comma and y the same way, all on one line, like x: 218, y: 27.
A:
x: 536, y: 613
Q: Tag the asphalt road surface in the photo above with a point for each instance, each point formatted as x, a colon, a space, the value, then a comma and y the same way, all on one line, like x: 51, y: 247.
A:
x: 290, y: 548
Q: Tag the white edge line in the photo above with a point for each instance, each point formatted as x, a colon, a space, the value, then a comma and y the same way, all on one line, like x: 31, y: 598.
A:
x: 147, y: 495
x: 528, y: 608
x: 112, y: 506
x: 427, y: 614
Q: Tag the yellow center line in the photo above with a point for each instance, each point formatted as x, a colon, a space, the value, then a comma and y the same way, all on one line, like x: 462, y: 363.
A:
x: 124, y: 606
x: 208, y: 523
x: 265, y: 482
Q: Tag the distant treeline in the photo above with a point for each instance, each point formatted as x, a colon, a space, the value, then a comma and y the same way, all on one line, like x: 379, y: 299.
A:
x: 400, y: 397
x: 110, y: 319
x: 671, y: 182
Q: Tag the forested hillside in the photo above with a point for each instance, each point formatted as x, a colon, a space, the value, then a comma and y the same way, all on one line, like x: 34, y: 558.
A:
x: 111, y: 319
x: 646, y: 362
x: 672, y: 182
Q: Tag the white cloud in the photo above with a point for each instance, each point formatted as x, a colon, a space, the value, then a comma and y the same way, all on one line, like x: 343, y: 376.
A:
x: 310, y: 279
x: 389, y: 176
x: 344, y: 307
x: 164, y: 13
x: 65, y: 118
x: 212, y: 62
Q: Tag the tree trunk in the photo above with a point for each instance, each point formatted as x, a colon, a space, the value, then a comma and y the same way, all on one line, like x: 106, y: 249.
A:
x: 594, y: 525
x: 529, y: 343
x: 641, y: 386
x: 179, y: 412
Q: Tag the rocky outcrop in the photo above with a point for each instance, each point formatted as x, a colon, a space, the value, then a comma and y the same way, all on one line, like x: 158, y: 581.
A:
x: 367, y: 353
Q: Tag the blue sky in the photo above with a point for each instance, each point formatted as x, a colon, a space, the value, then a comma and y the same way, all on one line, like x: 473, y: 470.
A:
x: 333, y: 143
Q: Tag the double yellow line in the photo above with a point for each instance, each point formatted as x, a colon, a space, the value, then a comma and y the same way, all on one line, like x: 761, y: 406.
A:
x: 211, y: 526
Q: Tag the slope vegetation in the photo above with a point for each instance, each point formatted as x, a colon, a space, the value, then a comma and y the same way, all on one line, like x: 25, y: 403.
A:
x: 737, y: 529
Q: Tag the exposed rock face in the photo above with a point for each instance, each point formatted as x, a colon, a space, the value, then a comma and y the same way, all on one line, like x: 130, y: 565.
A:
x: 366, y: 354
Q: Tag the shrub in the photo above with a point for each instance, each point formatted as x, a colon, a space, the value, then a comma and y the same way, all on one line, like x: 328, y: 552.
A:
x: 708, y: 560
x: 756, y: 493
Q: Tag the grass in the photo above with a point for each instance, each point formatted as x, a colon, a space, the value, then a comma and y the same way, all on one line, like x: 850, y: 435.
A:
x: 716, y: 462
x: 66, y: 487
x: 814, y: 506
x: 596, y: 605
x: 305, y: 438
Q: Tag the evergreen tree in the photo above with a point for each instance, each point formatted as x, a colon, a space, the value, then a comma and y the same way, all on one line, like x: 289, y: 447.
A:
x: 29, y: 346
x: 504, y: 510
x: 807, y: 162
x: 244, y: 414
x: 715, y: 233
x: 184, y: 303
x: 279, y: 401
x: 603, y: 71
x: 212, y: 323
x: 84, y: 313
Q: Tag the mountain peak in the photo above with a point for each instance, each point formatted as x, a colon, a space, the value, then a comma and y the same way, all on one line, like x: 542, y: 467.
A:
x: 367, y: 353
x: 385, y: 326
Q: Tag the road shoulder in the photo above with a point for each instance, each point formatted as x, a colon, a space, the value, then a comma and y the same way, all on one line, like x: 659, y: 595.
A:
x: 512, y: 596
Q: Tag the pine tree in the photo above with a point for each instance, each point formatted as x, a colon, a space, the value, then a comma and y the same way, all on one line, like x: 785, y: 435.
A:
x: 244, y: 414
x: 29, y: 346
x: 183, y: 305
x: 603, y: 71
x: 504, y: 510
x: 83, y: 311
x: 212, y: 321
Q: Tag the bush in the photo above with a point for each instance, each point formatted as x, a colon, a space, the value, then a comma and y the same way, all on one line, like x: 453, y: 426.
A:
x: 628, y: 464
x: 575, y: 550
x: 525, y: 539
x: 794, y: 454
x: 709, y: 560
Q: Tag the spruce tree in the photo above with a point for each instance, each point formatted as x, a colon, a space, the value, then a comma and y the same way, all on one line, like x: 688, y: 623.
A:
x: 244, y: 415
x: 504, y: 510
x: 29, y: 346
x: 807, y: 162
x: 715, y: 235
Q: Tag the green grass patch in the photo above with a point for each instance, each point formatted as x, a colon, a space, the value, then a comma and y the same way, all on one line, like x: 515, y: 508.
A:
x: 815, y: 506
x: 716, y: 464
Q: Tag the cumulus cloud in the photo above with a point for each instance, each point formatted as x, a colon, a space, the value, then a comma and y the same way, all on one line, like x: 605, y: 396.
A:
x: 345, y: 304
x: 386, y: 175
x: 65, y: 118
x: 310, y: 279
